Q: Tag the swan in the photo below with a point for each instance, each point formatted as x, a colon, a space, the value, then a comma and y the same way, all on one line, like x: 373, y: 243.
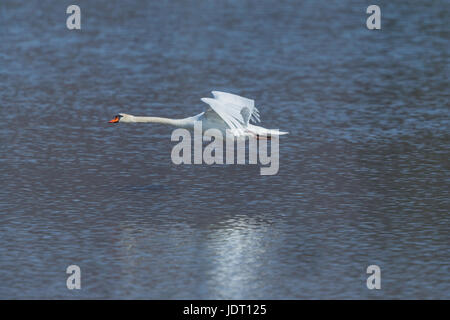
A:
x: 226, y: 112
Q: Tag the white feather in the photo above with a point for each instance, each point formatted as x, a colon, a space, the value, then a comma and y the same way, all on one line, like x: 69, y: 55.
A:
x: 239, y: 101
x: 234, y: 110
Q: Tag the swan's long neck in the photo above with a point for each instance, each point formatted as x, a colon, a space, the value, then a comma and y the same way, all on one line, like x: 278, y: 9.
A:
x: 173, y: 122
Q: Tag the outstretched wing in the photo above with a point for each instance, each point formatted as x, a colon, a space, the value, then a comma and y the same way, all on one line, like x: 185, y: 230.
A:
x: 253, y: 112
x: 235, y: 110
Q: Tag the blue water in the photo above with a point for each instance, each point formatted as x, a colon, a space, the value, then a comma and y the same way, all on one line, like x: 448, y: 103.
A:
x: 363, y: 177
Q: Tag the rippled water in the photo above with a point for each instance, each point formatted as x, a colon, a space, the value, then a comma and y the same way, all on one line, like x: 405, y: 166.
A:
x: 364, y: 172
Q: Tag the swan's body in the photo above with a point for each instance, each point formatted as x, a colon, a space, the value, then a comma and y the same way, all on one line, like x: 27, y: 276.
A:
x: 227, y: 112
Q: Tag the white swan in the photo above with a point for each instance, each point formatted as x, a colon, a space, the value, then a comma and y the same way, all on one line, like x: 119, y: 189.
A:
x: 227, y: 112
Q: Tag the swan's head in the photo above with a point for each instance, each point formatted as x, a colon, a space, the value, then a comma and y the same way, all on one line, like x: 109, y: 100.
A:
x: 122, y: 117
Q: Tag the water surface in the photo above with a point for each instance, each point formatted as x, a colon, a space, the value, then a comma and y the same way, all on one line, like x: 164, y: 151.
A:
x: 364, y: 172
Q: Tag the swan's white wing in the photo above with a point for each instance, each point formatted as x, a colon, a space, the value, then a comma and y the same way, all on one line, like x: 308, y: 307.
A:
x: 252, y: 113
x: 234, y: 110
x: 228, y: 112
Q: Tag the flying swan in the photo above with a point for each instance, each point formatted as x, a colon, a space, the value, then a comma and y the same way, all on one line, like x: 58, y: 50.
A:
x: 226, y: 111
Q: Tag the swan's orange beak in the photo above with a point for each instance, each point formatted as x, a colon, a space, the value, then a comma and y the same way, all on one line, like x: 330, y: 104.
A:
x: 116, y: 119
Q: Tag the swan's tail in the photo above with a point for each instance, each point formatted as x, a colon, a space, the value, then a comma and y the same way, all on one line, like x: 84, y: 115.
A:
x: 272, y: 132
x: 267, y: 134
